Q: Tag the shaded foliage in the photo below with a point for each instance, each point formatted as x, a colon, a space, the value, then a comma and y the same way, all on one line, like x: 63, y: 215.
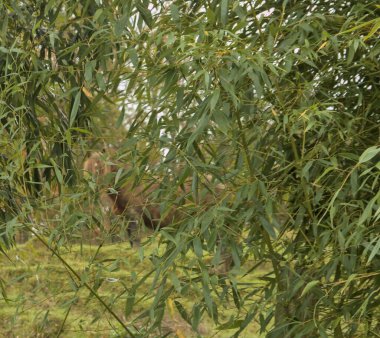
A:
x: 276, y: 100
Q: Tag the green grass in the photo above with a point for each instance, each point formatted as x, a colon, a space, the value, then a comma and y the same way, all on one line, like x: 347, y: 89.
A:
x: 42, y: 300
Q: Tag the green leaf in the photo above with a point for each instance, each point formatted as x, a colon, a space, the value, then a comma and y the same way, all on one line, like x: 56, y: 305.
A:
x: 120, y: 119
x: 169, y: 237
x: 224, y: 12
x: 362, y: 25
x: 133, y: 56
x: 373, y: 30
x: 75, y: 107
x: 369, y: 154
x: 144, y: 12
x: 374, y: 251
x: 222, y: 120
x: 68, y: 137
x: 257, y: 84
x: 121, y: 23
x: 203, y: 123
x: 308, y: 287
x: 269, y: 228
x: 196, y: 316
x: 367, y: 213
x: 100, y: 81
x: 174, y: 12
x: 130, y: 302
x: 354, y: 182
x: 81, y: 130
x: 98, y: 13
x: 118, y: 175
x: 198, y: 247
x: 349, y: 280
x: 214, y: 98
x: 57, y: 171
x: 182, y: 311
x: 351, y: 53
x: 231, y: 324
x: 247, y: 320
x: 88, y: 72
x: 195, y: 187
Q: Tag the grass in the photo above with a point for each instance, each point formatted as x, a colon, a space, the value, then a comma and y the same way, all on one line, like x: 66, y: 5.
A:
x: 42, y: 299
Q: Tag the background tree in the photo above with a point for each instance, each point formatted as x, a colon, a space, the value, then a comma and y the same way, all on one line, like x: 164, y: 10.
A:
x: 276, y: 100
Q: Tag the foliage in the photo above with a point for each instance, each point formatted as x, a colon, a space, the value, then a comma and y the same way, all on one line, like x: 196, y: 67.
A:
x: 275, y: 100
x: 42, y: 301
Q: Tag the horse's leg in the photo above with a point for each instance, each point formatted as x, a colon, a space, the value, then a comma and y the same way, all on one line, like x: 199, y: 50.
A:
x: 132, y: 231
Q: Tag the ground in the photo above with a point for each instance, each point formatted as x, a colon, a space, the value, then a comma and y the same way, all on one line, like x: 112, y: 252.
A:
x: 41, y: 299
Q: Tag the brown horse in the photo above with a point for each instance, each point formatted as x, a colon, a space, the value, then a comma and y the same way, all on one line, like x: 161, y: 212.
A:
x: 136, y: 202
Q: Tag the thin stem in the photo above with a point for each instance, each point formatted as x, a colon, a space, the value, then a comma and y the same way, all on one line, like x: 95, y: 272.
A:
x: 267, y: 241
x: 92, y: 291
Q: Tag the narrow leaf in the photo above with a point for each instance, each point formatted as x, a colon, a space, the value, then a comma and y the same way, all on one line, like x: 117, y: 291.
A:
x: 130, y: 302
x: 74, y: 109
x: 369, y: 153
x: 214, y: 98
x: 224, y: 12
x: 145, y: 13
x: 182, y: 311
x: 309, y: 286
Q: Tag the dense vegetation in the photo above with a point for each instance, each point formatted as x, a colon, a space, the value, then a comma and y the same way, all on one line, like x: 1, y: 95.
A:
x: 276, y: 101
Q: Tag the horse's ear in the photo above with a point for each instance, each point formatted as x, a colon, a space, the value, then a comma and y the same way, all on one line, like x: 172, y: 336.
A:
x: 95, y: 165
